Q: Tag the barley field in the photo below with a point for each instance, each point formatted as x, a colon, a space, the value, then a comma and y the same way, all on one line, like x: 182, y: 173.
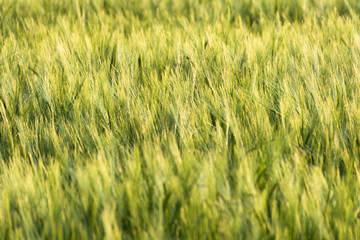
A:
x: 169, y: 119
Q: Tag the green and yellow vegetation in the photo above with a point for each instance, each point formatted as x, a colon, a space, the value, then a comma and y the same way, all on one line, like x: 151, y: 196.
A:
x: 169, y: 119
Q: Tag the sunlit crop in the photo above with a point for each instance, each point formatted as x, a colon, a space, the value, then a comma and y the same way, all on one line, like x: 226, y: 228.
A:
x: 169, y: 119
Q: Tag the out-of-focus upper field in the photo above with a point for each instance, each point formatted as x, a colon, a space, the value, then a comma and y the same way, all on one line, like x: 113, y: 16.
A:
x: 169, y: 119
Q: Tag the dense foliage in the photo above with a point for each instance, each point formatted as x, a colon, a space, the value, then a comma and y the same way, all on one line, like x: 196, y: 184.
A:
x: 167, y: 119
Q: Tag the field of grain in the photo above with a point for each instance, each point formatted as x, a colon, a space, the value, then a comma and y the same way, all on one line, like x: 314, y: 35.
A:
x: 169, y: 119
